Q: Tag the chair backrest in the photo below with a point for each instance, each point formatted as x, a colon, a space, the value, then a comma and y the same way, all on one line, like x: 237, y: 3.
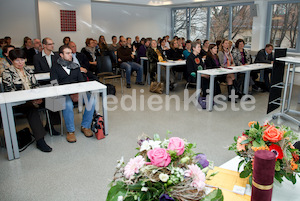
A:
x: 104, y: 64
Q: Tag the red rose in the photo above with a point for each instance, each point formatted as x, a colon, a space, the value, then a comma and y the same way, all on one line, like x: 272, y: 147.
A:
x: 272, y: 134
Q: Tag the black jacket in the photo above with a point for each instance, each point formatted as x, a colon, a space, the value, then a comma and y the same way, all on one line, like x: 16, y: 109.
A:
x: 261, y: 57
x: 175, y: 54
x: 192, y: 64
x: 211, y: 63
x: 59, y: 74
x: 40, y: 63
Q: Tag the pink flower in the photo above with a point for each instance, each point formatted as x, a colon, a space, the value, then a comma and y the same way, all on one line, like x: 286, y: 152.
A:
x: 159, y: 157
x: 133, y: 166
x: 239, y: 146
x: 176, y: 144
x: 197, y: 175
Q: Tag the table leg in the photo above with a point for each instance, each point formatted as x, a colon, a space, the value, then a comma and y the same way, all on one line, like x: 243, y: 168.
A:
x: 211, y: 92
x: 167, y: 80
x: 142, y: 64
x: 6, y: 132
x: 12, y: 128
x: 104, y: 105
x: 291, y: 88
x: 198, y: 85
x: 246, y: 82
x: 148, y: 73
x: 158, y: 72
x: 285, y: 87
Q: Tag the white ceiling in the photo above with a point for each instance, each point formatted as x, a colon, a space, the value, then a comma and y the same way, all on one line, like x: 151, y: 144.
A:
x: 170, y: 3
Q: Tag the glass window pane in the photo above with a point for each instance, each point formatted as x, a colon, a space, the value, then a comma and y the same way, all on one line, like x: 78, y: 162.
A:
x: 284, y: 30
x: 180, y: 23
x: 242, y: 23
x: 198, y: 23
x: 219, y: 23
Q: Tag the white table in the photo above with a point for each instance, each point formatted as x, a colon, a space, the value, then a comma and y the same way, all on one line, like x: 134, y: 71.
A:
x: 148, y: 73
x: 42, y: 76
x: 289, y: 81
x: 224, y: 71
x: 168, y: 66
x: 283, y: 191
x: 15, y: 97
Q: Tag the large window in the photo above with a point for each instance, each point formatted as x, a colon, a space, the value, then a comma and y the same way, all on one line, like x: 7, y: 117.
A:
x: 242, y: 23
x: 180, y: 23
x: 198, y: 23
x: 284, y: 25
x: 219, y: 26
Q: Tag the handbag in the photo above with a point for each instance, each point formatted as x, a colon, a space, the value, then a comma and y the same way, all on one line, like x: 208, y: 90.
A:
x: 156, y: 87
x: 24, y: 138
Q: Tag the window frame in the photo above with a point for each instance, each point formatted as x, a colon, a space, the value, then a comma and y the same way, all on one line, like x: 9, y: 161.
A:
x: 269, y: 24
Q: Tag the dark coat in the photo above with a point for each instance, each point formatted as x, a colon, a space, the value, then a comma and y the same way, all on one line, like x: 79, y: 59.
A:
x: 40, y: 63
x: 175, y: 54
x: 261, y: 57
x: 211, y: 63
x: 59, y: 74
x: 192, y: 64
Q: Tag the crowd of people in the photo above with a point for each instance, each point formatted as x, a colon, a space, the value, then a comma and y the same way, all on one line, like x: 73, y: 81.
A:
x: 71, y: 66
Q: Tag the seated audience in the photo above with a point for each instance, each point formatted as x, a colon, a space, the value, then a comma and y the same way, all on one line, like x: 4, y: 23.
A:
x: 142, y: 50
x: 82, y: 61
x: 103, y: 46
x: 7, y: 40
x: 6, y: 62
x: 66, y: 72
x: 180, y: 46
x: 2, y: 44
x: 27, y: 47
x: 66, y: 40
x: 174, y: 53
x: 125, y: 58
x: 154, y: 55
x: 162, y: 47
x: 241, y: 57
x: 226, y: 61
x: 37, y: 48
x: 44, y: 60
x: 114, y: 47
x: 136, y: 42
x: 204, y: 48
x: 19, y: 77
x: 265, y: 56
x: 188, y: 49
x: 90, y: 52
x: 166, y: 38
x: 194, y: 62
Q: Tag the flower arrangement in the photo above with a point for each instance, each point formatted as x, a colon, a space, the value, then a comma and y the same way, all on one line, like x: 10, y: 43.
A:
x: 164, y: 170
x: 272, y: 138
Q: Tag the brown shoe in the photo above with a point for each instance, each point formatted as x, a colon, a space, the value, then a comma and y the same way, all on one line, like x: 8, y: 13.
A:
x: 71, y: 137
x: 87, y: 132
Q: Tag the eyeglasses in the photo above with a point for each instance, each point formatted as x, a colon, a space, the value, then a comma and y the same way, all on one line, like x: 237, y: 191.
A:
x: 19, y: 60
x: 50, y: 44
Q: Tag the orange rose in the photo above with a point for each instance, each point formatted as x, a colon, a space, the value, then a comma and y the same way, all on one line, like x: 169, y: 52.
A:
x: 272, y: 134
x: 251, y: 122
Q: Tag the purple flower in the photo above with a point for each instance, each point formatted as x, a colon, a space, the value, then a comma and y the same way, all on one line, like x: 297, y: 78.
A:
x: 202, y: 160
x: 166, y: 197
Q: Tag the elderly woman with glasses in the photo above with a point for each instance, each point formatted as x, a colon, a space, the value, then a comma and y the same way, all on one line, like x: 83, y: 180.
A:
x: 19, y: 77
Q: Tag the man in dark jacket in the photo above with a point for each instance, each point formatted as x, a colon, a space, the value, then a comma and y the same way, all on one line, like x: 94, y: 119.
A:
x: 266, y: 56
x: 44, y: 60
x: 65, y: 71
x: 125, y: 58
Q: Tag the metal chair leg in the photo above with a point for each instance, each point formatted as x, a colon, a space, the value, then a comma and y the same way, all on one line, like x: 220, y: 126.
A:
x: 48, y: 119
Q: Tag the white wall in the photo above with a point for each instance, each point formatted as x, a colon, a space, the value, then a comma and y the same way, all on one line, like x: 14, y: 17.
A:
x: 17, y: 20
x: 112, y: 19
x: 49, y: 15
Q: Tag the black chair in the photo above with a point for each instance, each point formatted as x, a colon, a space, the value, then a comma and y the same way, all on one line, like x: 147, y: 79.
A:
x: 104, y: 66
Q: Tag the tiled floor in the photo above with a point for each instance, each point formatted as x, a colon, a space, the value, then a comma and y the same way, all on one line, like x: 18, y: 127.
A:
x: 83, y: 170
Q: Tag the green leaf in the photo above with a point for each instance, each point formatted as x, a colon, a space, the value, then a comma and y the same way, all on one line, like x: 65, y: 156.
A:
x: 215, y: 195
x: 156, y: 137
x: 240, y: 164
x: 250, y: 180
x: 277, y: 166
x: 235, y: 138
x: 116, y: 191
x: 135, y: 187
x: 245, y: 173
x: 245, y: 141
x: 278, y: 177
x: 256, y: 144
x: 287, y: 133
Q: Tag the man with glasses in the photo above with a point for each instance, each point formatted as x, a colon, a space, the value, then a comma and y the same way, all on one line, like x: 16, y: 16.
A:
x: 44, y: 60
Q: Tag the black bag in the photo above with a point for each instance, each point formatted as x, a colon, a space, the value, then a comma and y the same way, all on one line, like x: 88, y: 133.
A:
x: 24, y: 138
x: 111, y: 89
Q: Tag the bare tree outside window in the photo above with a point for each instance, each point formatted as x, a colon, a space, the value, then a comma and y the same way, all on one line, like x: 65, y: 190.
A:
x: 219, y: 23
x: 180, y: 23
x: 284, y: 30
x: 198, y: 23
x: 242, y: 23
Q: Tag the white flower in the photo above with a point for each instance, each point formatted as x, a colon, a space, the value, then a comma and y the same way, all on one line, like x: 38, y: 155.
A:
x: 164, y: 177
x: 154, y: 144
x: 144, y: 189
x: 145, y: 146
x: 165, y: 143
x: 120, y: 162
x: 120, y: 198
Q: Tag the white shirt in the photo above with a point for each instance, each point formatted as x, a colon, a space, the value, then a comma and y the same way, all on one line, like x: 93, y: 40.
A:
x: 66, y: 69
x: 48, y: 58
